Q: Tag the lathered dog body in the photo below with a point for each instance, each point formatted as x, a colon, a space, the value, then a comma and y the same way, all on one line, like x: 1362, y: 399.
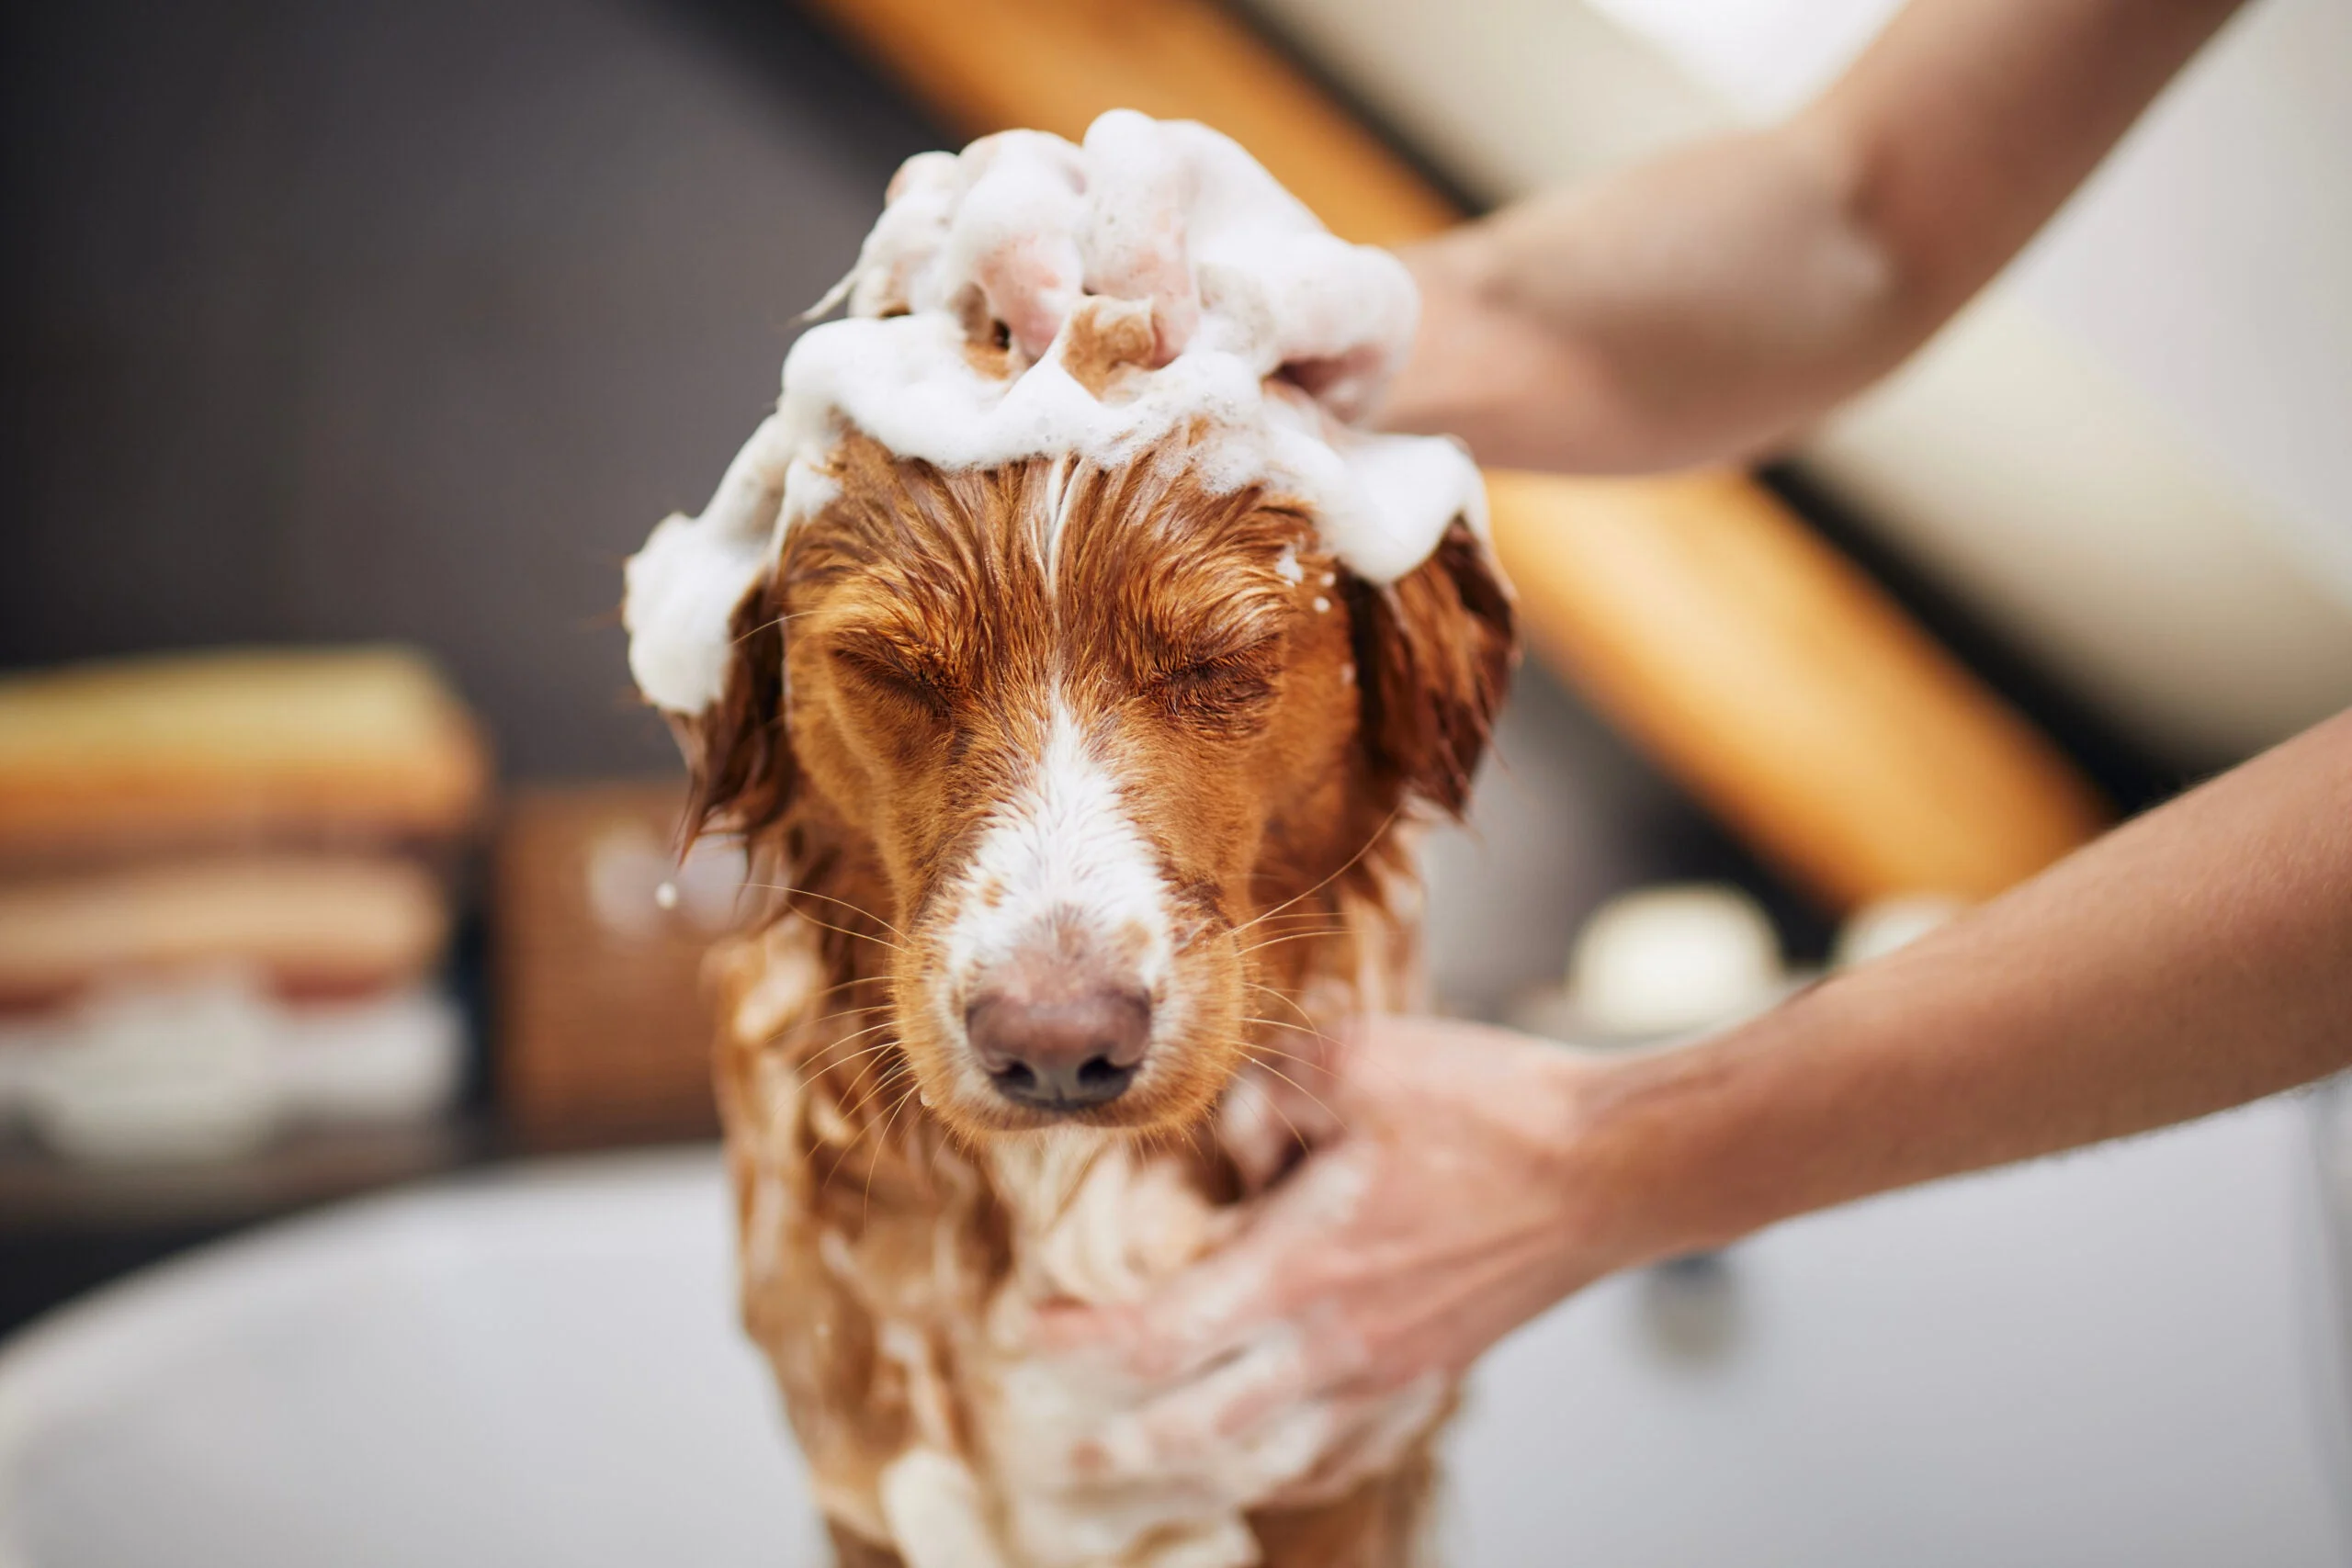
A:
x: 1076, y: 751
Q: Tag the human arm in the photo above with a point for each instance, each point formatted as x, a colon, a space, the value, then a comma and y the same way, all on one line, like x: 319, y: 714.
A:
x: 1711, y: 303
x: 2194, y: 959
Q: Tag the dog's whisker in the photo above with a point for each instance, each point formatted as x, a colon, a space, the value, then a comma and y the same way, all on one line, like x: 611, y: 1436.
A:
x: 852, y: 1113
x: 1297, y: 1136
x: 835, y: 1043
x: 784, y: 1032
x: 771, y: 625
x: 862, y: 1054
x: 838, y: 1012
x: 1310, y: 1065
x: 1069, y: 1192
x: 1294, y: 936
x: 1292, y: 1055
x: 1346, y: 866
x: 845, y: 930
x: 826, y: 1064
x: 1334, y: 925
x: 1273, y: 1104
x: 843, y: 986
x: 1306, y: 1018
x: 1331, y: 921
x: 872, y: 1056
x: 1338, y: 1120
x: 882, y: 1147
x: 1359, y: 1063
x: 1278, y: 1023
x: 861, y: 1128
x: 853, y: 1012
x: 857, y: 909
x: 1282, y: 997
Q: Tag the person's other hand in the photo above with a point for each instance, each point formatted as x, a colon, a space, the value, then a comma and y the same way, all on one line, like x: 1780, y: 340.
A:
x: 1519, y: 388
x: 1697, y: 308
x: 1444, y: 1213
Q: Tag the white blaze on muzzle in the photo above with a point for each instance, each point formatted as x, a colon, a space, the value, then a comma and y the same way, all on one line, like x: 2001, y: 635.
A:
x: 1060, y: 864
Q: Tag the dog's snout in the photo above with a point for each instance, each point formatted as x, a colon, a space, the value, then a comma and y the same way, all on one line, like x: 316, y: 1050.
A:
x: 1060, y: 1051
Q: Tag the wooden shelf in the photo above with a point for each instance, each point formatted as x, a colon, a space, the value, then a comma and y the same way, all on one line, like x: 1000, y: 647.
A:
x: 42, y: 1195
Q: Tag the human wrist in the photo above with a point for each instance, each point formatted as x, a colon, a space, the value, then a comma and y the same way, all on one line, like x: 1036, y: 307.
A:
x: 1585, y: 1121
x: 1447, y: 383
x: 1659, y: 1143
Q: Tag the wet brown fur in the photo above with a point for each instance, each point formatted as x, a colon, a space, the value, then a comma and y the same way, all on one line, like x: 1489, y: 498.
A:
x: 885, y: 692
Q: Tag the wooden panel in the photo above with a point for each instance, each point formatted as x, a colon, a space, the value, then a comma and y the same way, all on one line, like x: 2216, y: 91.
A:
x: 604, y: 1030
x: 1781, y: 687
x: 1757, y: 664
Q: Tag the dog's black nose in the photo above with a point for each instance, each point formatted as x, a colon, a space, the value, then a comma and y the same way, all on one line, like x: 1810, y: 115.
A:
x: 1060, y: 1053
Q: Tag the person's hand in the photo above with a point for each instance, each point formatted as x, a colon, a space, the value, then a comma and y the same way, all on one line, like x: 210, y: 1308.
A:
x: 1697, y: 308
x: 1445, y: 1211
x: 1521, y: 388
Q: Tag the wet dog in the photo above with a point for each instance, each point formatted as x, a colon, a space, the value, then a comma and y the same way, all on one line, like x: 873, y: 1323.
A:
x: 1078, y: 782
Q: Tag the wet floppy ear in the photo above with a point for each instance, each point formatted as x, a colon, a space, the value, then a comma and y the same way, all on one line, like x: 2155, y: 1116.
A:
x: 1434, y: 652
x: 738, y: 752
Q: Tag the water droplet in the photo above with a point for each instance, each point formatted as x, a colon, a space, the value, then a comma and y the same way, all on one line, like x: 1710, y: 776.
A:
x: 666, y: 896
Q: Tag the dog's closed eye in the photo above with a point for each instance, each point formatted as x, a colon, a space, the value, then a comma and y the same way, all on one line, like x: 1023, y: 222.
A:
x: 912, y: 676
x: 1226, y: 689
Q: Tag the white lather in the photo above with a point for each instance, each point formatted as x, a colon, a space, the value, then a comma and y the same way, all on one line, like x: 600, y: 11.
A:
x: 1242, y: 281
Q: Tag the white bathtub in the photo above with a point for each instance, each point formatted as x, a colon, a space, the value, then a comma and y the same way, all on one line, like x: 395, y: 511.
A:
x: 2124, y: 1357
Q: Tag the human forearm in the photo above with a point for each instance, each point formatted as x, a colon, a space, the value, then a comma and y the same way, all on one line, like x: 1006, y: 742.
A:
x: 1681, y: 312
x: 2195, y: 959
x: 1711, y: 303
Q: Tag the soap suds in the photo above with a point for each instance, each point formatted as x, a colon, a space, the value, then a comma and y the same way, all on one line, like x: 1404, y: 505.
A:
x: 1096, y: 1220
x: 936, y: 1514
x: 1267, y: 333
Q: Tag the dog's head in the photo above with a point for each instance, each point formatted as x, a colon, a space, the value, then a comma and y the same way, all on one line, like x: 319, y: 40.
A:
x: 1065, y: 737
x: 1074, y: 729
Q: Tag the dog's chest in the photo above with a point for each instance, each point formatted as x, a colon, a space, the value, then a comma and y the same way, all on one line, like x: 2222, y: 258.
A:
x: 891, y: 1278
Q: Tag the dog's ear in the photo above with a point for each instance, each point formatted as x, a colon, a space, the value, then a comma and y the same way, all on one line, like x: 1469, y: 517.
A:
x: 1434, y: 652
x: 738, y: 750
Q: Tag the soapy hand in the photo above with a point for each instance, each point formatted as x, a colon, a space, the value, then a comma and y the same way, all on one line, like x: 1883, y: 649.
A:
x: 1441, y: 1214
x: 1166, y: 215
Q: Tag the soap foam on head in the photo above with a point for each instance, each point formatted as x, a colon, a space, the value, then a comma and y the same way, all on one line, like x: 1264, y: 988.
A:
x: 1267, y: 331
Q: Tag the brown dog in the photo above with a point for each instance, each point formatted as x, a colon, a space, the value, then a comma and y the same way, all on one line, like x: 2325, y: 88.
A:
x: 1077, y: 794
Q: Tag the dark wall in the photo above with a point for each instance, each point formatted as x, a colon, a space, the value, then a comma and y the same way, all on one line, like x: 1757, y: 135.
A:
x: 402, y: 319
